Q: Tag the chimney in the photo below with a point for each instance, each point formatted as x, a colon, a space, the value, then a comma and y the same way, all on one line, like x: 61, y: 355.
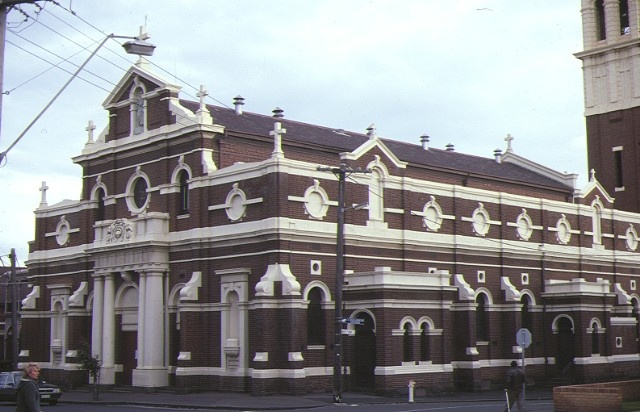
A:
x: 424, y: 139
x: 450, y: 147
x: 371, y: 131
x: 238, y: 102
x: 498, y: 155
x: 278, y: 113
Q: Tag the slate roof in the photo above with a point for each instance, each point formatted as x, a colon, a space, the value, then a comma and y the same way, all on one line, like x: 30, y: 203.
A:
x: 347, y: 141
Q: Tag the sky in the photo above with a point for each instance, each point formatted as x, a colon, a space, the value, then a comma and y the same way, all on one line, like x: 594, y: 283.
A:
x: 465, y: 72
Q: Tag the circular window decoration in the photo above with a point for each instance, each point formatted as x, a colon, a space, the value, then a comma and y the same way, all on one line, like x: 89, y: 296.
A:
x: 524, y: 225
x: 316, y: 201
x: 563, y: 234
x: 314, y: 204
x: 62, y: 232
x: 481, y: 222
x: 236, y: 203
x: 140, y: 194
x: 632, y: 238
x: 432, y: 215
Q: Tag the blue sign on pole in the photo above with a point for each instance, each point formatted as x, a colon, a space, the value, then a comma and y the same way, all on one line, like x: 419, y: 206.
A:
x: 523, y: 337
x: 353, y: 321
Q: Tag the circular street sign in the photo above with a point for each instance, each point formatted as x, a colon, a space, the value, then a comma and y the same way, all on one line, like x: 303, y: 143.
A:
x: 523, y: 337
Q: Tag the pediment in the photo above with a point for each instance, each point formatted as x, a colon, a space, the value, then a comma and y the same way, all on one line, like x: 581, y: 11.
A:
x: 371, y: 145
x: 136, y: 75
x: 594, y: 190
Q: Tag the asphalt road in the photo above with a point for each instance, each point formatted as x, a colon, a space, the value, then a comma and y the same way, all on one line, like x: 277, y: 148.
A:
x: 479, y: 406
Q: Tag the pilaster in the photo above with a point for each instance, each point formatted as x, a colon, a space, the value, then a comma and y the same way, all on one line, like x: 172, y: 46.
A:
x: 151, y: 370
x: 108, y: 371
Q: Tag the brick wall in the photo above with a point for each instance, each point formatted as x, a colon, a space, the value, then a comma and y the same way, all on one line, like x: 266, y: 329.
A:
x: 597, y: 397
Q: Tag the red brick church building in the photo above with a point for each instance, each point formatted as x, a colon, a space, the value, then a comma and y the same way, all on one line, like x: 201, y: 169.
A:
x: 202, y: 253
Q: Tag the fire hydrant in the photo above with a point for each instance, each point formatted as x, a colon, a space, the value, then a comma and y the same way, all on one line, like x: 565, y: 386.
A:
x: 412, y: 385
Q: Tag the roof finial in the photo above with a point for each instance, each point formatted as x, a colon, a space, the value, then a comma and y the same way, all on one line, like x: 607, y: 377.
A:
x: 143, y: 36
x: 90, y: 128
x: 43, y: 197
x: 203, y: 114
x: 277, y: 133
x: 509, y: 139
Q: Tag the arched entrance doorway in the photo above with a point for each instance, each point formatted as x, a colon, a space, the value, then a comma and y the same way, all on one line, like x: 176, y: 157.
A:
x: 127, y: 339
x: 565, y: 343
x: 363, y: 354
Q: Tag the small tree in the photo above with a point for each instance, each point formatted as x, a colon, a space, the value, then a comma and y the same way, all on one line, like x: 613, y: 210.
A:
x: 91, y: 363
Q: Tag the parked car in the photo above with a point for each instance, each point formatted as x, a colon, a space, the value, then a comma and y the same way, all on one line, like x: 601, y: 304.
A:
x: 49, y: 393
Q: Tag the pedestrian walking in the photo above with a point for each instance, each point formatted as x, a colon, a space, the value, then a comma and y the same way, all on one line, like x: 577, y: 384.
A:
x: 514, y: 385
x: 27, y: 393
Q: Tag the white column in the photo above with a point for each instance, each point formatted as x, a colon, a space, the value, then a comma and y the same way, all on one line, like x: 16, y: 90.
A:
x: 589, y: 29
x: 108, y: 371
x: 142, y: 282
x: 153, y: 372
x: 612, y: 19
x: 633, y: 19
x: 97, y: 315
x: 154, y: 311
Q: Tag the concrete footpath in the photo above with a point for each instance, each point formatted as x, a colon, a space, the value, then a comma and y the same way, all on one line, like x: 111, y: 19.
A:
x: 243, y: 401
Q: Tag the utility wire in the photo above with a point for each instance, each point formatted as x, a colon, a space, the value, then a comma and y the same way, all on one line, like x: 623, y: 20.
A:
x: 150, y: 62
x: 53, y: 65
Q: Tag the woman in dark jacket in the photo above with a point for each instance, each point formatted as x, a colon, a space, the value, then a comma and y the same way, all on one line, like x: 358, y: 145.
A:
x: 28, y: 394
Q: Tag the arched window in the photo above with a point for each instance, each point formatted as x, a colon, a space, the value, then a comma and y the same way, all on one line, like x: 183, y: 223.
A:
x: 376, y: 195
x: 482, y: 327
x: 316, y: 333
x: 595, y: 338
x: 425, y: 351
x: 183, y: 203
x: 600, y: 23
x: 526, y: 315
x: 138, y: 115
x: 100, y: 196
x: 624, y: 17
x: 407, y: 343
x: 597, y: 224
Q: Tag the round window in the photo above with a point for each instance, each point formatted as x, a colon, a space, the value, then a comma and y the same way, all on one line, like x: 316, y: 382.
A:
x: 140, y: 193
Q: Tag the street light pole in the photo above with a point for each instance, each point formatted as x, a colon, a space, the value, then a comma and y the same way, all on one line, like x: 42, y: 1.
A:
x: 337, y: 365
x: 138, y: 46
x: 15, y: 330
x: 5, y: 5
x: 341, y: 173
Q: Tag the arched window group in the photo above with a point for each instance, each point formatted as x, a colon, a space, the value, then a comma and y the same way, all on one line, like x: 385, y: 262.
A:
x: 601, y: 23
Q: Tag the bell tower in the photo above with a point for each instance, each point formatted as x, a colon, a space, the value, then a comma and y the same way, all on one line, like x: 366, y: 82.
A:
x: 611, y: 70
